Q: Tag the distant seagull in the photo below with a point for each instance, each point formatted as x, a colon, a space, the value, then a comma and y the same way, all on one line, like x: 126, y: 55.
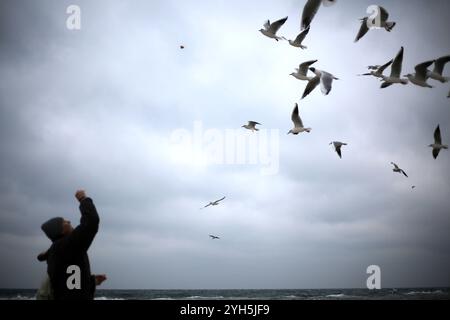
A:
x: 377, y: 71
x: 383, y: 16
x: 251, y: 126
x: 213, y: 237
x: 310, y: 9
x: 298, y: 124
x: 181, y: 47
x: 420, y: 77
x: 413, y: 187
x: 270, y: 29
x: 396, y: 70
x: 437, y: 145
x: 337, y: 146
x: 302, y: 71
x: 298, y: 41
x: 439, y: 65
x: 324, y: 78
x: 213, y: 203
x: 397, y: 169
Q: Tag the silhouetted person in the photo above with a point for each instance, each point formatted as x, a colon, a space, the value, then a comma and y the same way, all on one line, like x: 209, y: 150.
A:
x: 70, y: 248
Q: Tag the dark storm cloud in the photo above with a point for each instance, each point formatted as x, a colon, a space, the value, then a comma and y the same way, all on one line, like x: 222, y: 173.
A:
x: 96, y: 109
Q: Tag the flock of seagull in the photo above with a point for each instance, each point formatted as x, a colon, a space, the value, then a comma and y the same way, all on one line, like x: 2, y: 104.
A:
x: 325, y: 79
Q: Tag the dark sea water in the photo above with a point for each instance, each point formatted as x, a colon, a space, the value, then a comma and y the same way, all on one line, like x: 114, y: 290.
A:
x: 300, y: 294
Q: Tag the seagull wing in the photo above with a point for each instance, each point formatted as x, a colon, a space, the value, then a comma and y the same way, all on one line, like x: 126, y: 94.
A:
x: 312, y: 84
x: 338, y: 150
x: 421, y: 70
x: 309, y: 11
x: 253, y: 123
x: 275, y: 26
x: 267, y: 25
x: 296, y: 118
x: 381, y: 69
x: 326, y: 81
x: 439, y: 64
x: 404, y: 173
x: 302, y: 36
x: 397, y: 65
x: 384, y: 15
x: 363, y: 30
x: 207, y: 205
x: 304, y: 67
x: 437, y: 136
x: 219, y: 200
x: 436, y: 152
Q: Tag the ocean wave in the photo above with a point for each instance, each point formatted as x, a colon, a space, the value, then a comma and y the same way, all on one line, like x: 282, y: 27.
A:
x: 204, y: 298
x: 424, y: 292
x: 339, y: 295
x: 107, y: 298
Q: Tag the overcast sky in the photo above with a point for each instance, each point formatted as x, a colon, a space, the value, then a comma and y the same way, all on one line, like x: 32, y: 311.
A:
x: 102, y: 108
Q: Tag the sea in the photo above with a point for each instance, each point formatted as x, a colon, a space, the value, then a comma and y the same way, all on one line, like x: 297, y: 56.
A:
x: 279, y: 294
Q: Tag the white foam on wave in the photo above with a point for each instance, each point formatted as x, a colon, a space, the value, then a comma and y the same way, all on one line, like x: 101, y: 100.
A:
x: 424, y: 292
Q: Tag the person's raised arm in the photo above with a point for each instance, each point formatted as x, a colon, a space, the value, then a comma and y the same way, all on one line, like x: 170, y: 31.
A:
x: 83, y: 235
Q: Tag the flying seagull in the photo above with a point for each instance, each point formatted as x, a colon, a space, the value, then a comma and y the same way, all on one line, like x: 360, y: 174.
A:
x: 298, y: 124
x: 439, y: 65
x: 382, y: 16
x: 181, y: 47
x: 397, y: 169
x: 396, y: 69
x: 213, y: 237
x: 420, y: 77
x: 437, y: 145
x: 310, y: 9
x: 337, y: 146
x: 302, y: 71
x: 324, y: 78
x: 251, y: 126
x: 377, y: 71
x: 213, y: 203
x: 270, y: 29
x: 299, y: 39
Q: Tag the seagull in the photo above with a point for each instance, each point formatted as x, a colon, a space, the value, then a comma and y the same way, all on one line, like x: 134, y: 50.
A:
x: 214, y: 237
x: 337, y: 147
x: 397, y: 169
x: 270, y: 29
x: 396, y: 69
x: 377, y: 71
x: 310, y: 9
x: 437, y: 145
x: 324, y: 78
x: 413, y: 187
x: 439, y: 65
x: 420, y: 77
x: 214, y: 203
x: 251, y: 126
x: 383, y: 16
x: 298, y: 41
x: 302, y: 71
x: 298, y: 124
x: 181, y: 47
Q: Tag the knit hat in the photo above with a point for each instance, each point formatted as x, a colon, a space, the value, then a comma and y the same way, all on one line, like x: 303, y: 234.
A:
x: 53, y: 228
